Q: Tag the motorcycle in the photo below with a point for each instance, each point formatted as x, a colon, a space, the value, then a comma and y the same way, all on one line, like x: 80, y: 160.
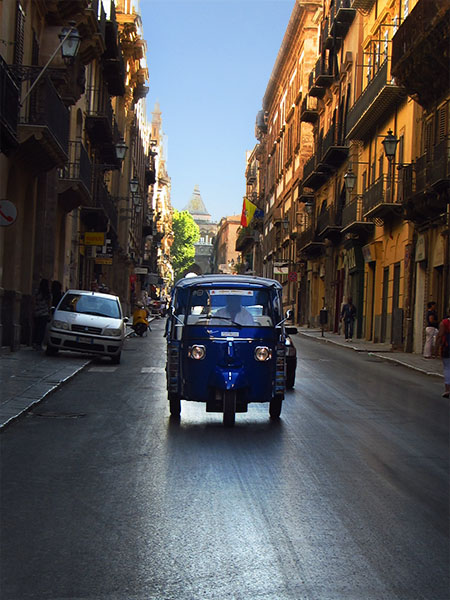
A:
x: 140, y: 322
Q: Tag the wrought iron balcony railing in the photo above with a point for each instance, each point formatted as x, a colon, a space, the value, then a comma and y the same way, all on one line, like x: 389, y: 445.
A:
x: 9, y: 108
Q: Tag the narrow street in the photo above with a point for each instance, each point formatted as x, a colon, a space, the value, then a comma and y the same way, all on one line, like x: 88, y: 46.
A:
x: 346, y: 498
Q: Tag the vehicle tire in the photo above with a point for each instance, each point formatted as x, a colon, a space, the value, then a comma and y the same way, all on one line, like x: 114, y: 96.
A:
x: 290, y: 379
x: 175, y: 406
x: 140, y: 329
x: 116, y: 359
x: 275, y: 407
x: 229, y: 408
x: 51, y: 350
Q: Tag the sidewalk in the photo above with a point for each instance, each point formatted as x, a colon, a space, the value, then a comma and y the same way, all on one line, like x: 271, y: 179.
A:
x: 428, y: 366
x: 28, y: 376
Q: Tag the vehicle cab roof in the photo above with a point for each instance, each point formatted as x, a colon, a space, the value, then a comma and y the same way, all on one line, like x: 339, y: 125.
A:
x: 241, y: 281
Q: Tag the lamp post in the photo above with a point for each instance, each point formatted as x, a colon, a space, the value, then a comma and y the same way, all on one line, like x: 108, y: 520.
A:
x: 390, y: 142
x: 69, y: 44
x: 350, y: 181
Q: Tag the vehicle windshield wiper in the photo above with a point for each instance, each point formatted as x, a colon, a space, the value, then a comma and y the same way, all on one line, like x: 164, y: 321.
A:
x: 97, y: 314
x: 222, y: 318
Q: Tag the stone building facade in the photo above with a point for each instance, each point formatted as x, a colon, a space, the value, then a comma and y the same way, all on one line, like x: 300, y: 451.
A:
x: 204, y: 248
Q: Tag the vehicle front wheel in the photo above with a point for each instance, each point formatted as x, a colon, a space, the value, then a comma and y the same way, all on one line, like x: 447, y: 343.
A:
x: 229, y: 408
x: 275, y: 407
x: 116, y: 359
x: 51, y: 350
x: 175, y: 406
x: 290, y: 380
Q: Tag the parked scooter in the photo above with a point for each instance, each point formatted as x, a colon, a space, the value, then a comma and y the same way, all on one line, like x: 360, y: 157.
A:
x: 140, y: 320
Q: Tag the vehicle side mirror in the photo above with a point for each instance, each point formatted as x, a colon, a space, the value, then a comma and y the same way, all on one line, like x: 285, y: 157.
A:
x: 290, y: 330
x: 52, y: 310
x: 126, y: 319
x: 289, y: 314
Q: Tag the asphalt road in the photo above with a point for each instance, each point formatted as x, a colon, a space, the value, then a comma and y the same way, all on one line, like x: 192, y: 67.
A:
x: 346, y: 498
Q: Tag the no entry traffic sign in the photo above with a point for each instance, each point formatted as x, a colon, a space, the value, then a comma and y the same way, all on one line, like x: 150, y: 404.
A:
x: 8, y: 213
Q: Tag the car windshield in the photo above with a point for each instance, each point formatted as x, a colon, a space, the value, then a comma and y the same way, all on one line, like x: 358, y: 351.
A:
x: 238, y: 307
x: 90, y: 305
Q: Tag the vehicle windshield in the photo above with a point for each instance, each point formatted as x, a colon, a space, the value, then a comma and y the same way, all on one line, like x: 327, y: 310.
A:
x: 90, y: 305
x: 236, y: 307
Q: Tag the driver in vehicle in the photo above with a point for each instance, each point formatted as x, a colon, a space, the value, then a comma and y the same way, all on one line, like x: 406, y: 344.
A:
x: 235, y: 311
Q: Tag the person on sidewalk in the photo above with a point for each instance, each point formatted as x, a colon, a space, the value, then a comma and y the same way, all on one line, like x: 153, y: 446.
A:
x: 443, y: 342
x: 348, y: 315
x: 431, y: 331
x: 41, y: 313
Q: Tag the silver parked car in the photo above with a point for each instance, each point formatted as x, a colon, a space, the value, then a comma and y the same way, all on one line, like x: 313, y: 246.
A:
x: 88, y: 322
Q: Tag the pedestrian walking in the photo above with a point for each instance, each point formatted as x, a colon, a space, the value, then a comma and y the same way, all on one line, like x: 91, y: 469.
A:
x: 431, y: 331
x: 41, y: 313
x: 348, y: 315
x: 443, y: 343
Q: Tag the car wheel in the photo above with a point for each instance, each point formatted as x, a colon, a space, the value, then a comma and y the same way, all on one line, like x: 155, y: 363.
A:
x: 116, y: 359
x: 290, y: 379
x: 51, y: 350
x: 275, y: 407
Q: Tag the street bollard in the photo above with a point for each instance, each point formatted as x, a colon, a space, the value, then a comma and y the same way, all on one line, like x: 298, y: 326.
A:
x: 323, y: 318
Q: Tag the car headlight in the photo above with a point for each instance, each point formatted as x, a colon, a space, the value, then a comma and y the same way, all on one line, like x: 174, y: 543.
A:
x: 197, y: 352
x: 263, y: 353
x: 60, y: 325
x: 290, y: 351
x: 113, y: 332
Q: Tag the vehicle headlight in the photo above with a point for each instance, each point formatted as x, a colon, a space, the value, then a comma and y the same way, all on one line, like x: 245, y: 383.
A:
x: 113, y: 332
x: 197, y: 352
x: 60, y: 325
x: 263, y: 353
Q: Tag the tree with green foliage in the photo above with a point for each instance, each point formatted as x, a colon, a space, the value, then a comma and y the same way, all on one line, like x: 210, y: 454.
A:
x: 185, y: 234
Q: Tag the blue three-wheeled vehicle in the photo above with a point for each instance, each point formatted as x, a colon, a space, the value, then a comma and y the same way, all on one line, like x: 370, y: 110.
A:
x: 226, y: 344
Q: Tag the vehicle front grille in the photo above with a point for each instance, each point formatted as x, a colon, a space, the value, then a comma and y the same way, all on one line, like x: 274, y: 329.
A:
x: 86, y: 329
x: 83, y: 346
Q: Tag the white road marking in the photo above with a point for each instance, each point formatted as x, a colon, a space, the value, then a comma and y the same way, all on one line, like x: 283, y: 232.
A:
x: 103, y: 369
x: 153, y: 370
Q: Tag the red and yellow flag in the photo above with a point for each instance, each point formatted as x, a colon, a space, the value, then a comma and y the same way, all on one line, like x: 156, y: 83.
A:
x: 248, y: 210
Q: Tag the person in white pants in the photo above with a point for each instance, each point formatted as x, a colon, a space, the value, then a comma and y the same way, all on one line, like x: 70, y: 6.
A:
x: 431, y: 331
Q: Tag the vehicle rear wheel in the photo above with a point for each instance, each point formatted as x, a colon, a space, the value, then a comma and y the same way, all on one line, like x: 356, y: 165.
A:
x: 51, y: 350
x: 116, y: 359
x: 275, y: 407
x: 290, y: 380
x: 175, y: 406
x: 229, y: 408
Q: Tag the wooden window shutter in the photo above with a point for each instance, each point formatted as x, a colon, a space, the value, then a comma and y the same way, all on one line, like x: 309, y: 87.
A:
x: 20, y: 35
x: 428, y: 138
x: 442, y: 123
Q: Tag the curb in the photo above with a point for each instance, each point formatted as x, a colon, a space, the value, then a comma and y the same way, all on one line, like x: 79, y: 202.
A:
x: 376, y: 353
x: 50, y: 391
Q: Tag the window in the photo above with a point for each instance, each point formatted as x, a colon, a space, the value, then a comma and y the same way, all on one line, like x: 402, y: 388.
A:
x: 20, y: 35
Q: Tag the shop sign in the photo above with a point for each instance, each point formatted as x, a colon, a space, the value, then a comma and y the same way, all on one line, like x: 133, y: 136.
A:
x: 281, y: 270
x: 104, y: 261
x: 141, y: 270
x: 420, y: 249
x: 94, y: 238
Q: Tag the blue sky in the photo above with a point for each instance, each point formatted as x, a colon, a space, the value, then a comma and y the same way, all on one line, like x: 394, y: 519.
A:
x: 209, y: 64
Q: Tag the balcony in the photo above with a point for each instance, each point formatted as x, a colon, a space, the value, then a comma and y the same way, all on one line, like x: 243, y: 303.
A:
x: 420, y: 52
x: 315, y: 173
x: 308, y: 244
x: 333, y: 149
x: 43, y: 130
x: 329, y: 224
x: 103, y: 211
x: 92, y: 28
x: 112, y: 59
x: 379, y: 201
x: 9, y: 109
x: 364, y: 6
x: 150, y: 171
x: 374, y: 104
x: 101, y: 127
x: 246, y: 239
x: 323, y: 72
x: 58, y: 12
x: 352, y: 219
x: 74, y: 186
x: 425, y: 185
x: 344, y: 15
x: 251, y: 175
x: 308, y: 110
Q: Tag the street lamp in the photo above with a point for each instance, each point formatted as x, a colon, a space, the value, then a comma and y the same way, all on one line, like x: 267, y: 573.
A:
x: 69, y: 44
x: 134, y: 185
x: 349, y: 180
x: 390, y: 142
x: 121, y: 149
